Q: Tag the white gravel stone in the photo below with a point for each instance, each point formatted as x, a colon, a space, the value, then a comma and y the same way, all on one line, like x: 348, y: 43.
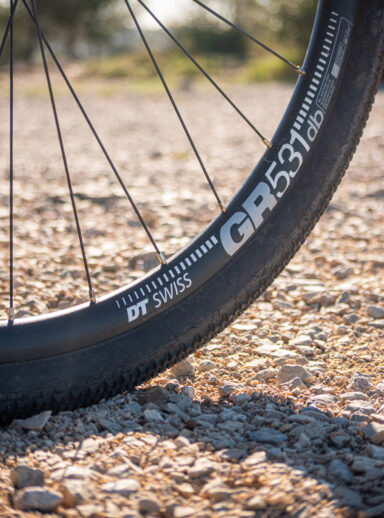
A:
x: 24, y: 476
x: 304, y: 441
x: 226, y: 390
x: 301, y: 340
x: 182, y: 369
x: 255, y: 458
x: 354, y: 396
x: 266, y: 374
x: 323, y: 400
x: 186, y: 490
x: 201, y: 467
x: 216, y: 490
x: 375, y: 311
x: 182, y: 442
x: 340, y: 440
x: 289, y: 372
x: 125, y: 487
x: 269, y: 436
x: 206, y: 365
x: 296, y: 383
x: 377, y: 452
x: 256, y: 503
x: 37, y: 499
x: 360, y: 382
x: 37, y: 422
x: 371, y: 468
x: 152, y: 415
x: 188, y: 391
x: 73, y: 472
x: 361, y: 406
x: 75, y: 492
x: 156, y: 395
x: 340, y: 471
x: 374, y: 432
x: 183, y: 511
x: 90, y: 444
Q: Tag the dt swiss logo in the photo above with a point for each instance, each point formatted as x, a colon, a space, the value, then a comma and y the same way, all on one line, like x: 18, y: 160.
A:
x: 137, y: 310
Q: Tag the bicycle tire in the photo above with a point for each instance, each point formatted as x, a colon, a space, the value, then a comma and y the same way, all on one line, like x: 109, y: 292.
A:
x: 75, y: 357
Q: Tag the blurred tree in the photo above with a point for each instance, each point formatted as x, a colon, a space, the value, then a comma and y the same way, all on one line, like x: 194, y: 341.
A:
x: 294, y: 21
x: 78, y: 21
x: 206, y: 34
x: 203, y: 38
x: 282, y: 22
x: 288, y: 23
x: 81, y: 27
x: 71, y: 23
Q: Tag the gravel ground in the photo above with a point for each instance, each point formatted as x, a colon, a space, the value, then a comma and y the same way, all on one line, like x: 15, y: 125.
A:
x: 282, y: 414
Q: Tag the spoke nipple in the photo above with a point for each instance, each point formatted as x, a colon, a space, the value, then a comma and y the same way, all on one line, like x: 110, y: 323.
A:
x: 222, y: 208
x: 11, y: 316
x: 301, y: 71
x: 161, y: 258
x: 267, y: 143
x: 92, y: 296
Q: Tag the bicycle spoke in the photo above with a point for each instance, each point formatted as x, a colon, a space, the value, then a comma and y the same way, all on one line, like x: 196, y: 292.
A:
x: 159, y: 254
x: 205, y: 73
x: 63, y: 154
x: 170, y: 96
x: 298, y: 68
x: 11, y: 316
x: 8, y: 26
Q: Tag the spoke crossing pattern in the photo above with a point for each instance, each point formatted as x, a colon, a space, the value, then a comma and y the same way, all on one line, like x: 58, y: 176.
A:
x: 298, y: 69
x: 205, y: 73
x: 159, y: 254
x: 170, y: 96
x: 63, y: 154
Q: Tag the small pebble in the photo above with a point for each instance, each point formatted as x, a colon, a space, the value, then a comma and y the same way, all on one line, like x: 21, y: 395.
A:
x: 24, y: 476
x: 289, y: 372
x: 37, y: 499
x: 182, y: 369
x: 205, y: 366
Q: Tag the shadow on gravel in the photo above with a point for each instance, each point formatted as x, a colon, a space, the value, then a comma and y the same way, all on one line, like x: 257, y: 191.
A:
x: 255, y: 448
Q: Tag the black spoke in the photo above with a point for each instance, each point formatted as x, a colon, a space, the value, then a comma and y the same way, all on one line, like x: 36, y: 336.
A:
x: 159, y: 254
x: 11, y: 307
x: 255, y: 40
x: 170, y: 96
x: 63, y: 154
x: 205, y: 73
x: 8, y: 26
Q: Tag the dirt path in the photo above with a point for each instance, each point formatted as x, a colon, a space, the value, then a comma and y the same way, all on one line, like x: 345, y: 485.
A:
x: 280, y: 415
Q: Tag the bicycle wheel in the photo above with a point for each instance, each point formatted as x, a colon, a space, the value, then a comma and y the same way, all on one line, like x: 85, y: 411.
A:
x: 74, y: 357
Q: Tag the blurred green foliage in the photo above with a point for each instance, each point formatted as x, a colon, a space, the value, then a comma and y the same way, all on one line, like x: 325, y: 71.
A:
x: 70, y: 23
x: 91, y: 28
x: 276, y: 22
x: 204, y: 38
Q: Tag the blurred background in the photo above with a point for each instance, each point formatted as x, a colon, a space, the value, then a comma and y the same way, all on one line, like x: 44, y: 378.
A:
x: 101, y: 35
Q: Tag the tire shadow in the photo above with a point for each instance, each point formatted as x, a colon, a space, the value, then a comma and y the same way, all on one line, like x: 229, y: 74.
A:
x: 248, y: 454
